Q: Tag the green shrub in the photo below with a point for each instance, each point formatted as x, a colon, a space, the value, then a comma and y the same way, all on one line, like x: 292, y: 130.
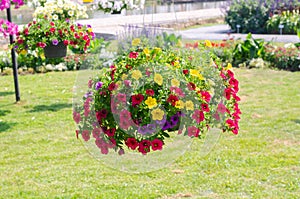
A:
x: 248, y: 49
x: 290, y: 21
x: 285, y: 58
x: 252, y: 15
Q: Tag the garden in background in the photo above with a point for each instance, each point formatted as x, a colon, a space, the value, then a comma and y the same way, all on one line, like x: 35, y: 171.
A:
x: 256, y: 156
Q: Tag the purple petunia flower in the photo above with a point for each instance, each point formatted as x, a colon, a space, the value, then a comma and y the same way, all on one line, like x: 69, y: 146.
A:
x: 143, y: 130
x: 98, y: 85
x: 166, y: 126
x: 55, y: 42
x: 175, y: 118
x: 151, y: 128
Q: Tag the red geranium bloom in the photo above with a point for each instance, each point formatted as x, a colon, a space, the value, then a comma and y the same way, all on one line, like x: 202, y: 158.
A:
x: 131, y: 143
x: 205, y: 107
x: 133, y: 55
x: 156, y: 144
x: 144, y: 146
x: 172, y: 99
x: 150, y: 92
x: 137, y: 99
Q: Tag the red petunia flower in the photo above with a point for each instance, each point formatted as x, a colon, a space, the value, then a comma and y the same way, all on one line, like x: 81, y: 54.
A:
x: 144, y: 146
x: 156, y: 144
x: 112, y: 86
x: 193, y: 131
x: 172, y: 99
x: 185, y: 71
x: 131, y: 143
x: 191, y: 86
x: 133, y: 55
x: 205, y: 107
x: 150, y: 92
x: 137, y: 99
x: 198, y: 116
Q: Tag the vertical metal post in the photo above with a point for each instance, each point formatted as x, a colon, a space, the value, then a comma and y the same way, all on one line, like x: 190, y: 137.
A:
x: 14, y: 60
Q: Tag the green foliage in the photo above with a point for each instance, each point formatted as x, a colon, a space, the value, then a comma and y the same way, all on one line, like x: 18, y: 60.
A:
x: 252, y: 15
x: 248, y: 49
x: 249, y: 14
x: 167, y: 40
x: 290, y: 21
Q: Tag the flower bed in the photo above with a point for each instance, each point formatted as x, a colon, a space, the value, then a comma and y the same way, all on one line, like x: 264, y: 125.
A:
x: 151, y: 94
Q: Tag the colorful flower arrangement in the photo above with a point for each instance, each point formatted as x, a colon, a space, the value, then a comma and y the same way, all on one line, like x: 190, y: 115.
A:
x: 61, y: 10
x: 54, y: 24
x: 148, y: 94
x: 41, y: 33
x: 116, y: 6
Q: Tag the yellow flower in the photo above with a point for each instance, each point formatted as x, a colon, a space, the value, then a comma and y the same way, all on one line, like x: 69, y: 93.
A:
x: 157, y: 50
x: 229, y: 66
x: 175, y: 82
x: 189, y: 105
x: 135, y: 42
x: 23, y: 52
x: 136, y: 74
x: 158, y: 79
x: 147, y: 52
x: 176, y: 64
x: 157, y: 114
x: 90, y: 30
x: 151, y: 102
x: 208, y: 43
x: 179, y: 104
x: 196, y: 73
x: 124, y: 76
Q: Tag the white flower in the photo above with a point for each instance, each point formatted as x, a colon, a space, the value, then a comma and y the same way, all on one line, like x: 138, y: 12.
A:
x: 71, y: 13
x: 55, y: 17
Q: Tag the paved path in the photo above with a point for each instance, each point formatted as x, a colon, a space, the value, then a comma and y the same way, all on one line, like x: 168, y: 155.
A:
x: 110, y: 25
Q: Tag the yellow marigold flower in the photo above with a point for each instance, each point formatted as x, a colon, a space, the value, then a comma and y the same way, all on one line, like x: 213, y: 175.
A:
x: 189, y: 105
x: 135, y: 42
x: 175, y: 82
x: 136, y: 74
x: 147, y: 52
x: 179, y: 104
x: 151, y: 102
x: 157, y: 114
x: 208, y: 43
x: 158, y: 79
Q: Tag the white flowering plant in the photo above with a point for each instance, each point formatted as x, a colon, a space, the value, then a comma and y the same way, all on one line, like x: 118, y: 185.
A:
x: 116, y: 6
x: 61, y: 10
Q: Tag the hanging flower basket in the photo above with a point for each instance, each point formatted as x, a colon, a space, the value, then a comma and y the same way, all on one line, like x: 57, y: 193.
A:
x: 55, y: 51
x: 151, y: 94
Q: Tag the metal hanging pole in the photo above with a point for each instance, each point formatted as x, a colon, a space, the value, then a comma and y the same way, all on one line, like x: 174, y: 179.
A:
x: 14, y: 60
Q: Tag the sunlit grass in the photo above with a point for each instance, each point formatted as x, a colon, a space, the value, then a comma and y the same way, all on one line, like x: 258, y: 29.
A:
x: 41, y: 158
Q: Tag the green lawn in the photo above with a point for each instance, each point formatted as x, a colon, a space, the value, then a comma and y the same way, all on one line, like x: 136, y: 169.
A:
x: 41, y: 157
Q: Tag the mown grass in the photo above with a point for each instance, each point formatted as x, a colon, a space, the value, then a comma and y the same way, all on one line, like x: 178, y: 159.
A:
x: 41, y: 157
